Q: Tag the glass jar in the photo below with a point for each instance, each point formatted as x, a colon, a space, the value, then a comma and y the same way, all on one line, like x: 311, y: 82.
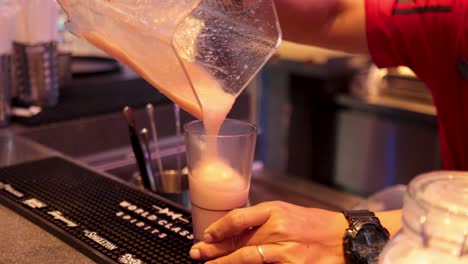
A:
x: 435, y: 222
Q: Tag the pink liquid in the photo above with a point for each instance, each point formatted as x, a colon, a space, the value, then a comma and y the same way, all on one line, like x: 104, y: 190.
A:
x: 215, y: 189
x: 150, y: 65
x: 212, y: 104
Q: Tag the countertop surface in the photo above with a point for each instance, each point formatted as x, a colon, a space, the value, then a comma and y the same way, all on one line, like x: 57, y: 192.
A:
x: 24, y: 242
x: 404, y: 110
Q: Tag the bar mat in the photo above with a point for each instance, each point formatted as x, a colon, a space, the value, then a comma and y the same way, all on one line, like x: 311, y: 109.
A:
x: 84, y: 98
x: 106, y: 220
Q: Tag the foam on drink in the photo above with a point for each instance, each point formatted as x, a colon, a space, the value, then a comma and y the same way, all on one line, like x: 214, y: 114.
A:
x: 215, y: 189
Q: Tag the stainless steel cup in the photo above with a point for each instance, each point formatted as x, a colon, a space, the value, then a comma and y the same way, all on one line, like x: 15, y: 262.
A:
x: 5, y: 86
x: 174, y: 186
x: 173, y: 181
x: 36, y: 74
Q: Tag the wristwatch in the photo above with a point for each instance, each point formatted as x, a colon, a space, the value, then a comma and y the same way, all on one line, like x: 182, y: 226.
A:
x: 364, y: 239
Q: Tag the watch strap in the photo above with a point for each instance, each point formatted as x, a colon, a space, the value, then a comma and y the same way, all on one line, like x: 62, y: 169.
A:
x: 360, y: 216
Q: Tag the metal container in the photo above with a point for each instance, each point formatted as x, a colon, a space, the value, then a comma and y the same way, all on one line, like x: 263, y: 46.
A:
x: 172, y: 184
x: 36, y: 74
x: 5, y: 86
x: 64, y: 62
x: 173, y: 181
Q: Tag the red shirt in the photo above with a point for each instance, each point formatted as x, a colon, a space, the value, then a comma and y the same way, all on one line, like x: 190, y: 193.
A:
x: 430, y: 37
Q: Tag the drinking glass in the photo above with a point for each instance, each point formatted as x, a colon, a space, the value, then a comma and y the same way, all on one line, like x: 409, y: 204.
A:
x: 220, y: 169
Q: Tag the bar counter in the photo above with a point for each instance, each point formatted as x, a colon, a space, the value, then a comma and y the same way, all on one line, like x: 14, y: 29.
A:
x: 24, y: 242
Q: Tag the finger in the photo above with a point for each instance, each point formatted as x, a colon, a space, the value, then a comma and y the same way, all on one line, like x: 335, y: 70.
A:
x: 238, y: 221
x: 209, y: 251
x: 222, y: 248
x: 251, y: 255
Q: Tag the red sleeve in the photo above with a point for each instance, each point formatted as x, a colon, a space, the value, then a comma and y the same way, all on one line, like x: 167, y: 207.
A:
x: 411, y: 33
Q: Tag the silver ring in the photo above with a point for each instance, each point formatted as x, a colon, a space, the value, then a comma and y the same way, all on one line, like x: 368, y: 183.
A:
x: 260, y: 251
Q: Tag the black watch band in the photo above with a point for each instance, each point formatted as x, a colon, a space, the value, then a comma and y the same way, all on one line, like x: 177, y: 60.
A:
x: 360, y: 215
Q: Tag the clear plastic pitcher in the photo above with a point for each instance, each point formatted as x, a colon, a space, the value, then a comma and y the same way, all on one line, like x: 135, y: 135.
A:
x: 182, y: 47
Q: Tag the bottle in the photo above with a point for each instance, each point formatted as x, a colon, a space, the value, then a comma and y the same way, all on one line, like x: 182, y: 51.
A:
x: 435, y: 222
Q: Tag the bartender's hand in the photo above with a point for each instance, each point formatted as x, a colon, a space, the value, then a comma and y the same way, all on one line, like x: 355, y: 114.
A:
x: 286, y: 233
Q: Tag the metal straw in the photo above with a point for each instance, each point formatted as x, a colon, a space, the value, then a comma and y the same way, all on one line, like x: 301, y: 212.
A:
x: 155, y: 182
x: 178, y: 133
x: 142, y: 162
x: 154, y: 133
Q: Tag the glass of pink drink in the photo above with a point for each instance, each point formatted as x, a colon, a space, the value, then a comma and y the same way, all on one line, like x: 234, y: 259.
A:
x: 220, y: 168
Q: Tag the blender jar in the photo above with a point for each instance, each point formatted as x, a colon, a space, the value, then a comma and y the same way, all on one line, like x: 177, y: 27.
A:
x: 182, y: 47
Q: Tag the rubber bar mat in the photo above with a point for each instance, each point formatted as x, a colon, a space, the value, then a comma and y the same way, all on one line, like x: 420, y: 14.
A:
x: 80, y: 99
x: 106, y: 220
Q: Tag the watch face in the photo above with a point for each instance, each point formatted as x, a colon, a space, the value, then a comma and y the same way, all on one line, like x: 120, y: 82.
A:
x: 369, y: 242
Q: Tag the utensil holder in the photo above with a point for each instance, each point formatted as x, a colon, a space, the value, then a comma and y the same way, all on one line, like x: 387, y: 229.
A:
x: 172, y: 185
x: 36, y: 74
x: 5, y: 86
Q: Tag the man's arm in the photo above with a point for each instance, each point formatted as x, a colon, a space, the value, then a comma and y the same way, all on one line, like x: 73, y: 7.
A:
x: 287, y: 233
x: 391, y: 220
x: 333, y: 24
